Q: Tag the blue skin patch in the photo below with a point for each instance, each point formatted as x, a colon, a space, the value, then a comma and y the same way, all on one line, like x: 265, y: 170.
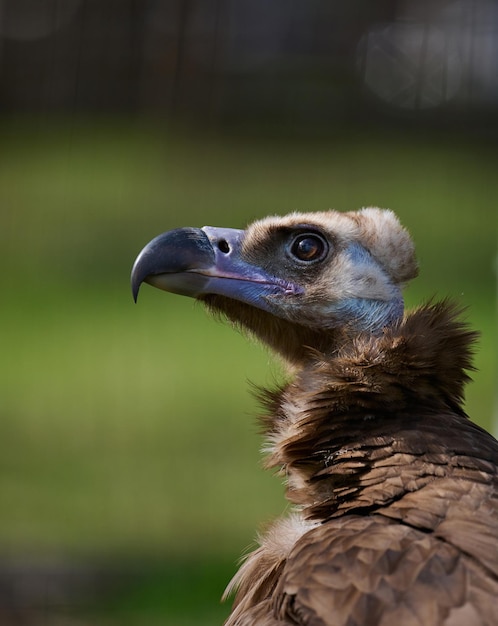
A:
x: 370, y: 315
x: 362, y: 314
x: 366, y: 314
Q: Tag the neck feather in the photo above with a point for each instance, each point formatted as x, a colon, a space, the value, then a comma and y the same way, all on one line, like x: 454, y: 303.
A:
x: 348, y: 423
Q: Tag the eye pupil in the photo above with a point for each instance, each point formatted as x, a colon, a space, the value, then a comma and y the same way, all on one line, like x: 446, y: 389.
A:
x: 308, y: 247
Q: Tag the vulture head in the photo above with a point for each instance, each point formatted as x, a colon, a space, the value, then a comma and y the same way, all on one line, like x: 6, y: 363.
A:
x: 298, y: 282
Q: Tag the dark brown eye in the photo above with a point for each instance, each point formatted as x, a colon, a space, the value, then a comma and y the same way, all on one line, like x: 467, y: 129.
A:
x: 309, y: 247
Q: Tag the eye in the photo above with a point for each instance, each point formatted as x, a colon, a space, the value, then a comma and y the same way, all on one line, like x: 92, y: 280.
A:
x: 309, y: 247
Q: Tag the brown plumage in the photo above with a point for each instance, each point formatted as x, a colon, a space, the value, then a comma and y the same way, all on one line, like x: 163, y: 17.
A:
x: 395, y: 489
x: 399, y: 487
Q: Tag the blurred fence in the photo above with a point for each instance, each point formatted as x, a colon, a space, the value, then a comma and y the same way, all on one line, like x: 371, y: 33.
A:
x: 316, y: 60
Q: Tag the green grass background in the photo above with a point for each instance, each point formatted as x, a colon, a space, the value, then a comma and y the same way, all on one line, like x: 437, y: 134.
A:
x: 128, y: 434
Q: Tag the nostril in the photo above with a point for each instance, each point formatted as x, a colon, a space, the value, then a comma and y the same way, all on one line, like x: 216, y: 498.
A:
x: 223, y: 246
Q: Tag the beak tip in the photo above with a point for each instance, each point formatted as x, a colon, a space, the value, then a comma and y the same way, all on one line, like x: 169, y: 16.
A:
x: 173, y: 252
x: 135, y: 285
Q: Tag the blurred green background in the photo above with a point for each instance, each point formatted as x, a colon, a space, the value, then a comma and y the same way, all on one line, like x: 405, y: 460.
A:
x: 129, y: 439
x: 130, y: 472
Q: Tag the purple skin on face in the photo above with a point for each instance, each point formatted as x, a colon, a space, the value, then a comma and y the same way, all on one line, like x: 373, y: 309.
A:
x: 194, y: 262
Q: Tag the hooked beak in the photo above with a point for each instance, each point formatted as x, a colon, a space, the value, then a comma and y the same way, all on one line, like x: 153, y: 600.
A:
x: 195, y: 262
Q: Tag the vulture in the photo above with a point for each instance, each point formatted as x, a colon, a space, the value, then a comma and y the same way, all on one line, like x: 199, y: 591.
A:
x: 394, y: 490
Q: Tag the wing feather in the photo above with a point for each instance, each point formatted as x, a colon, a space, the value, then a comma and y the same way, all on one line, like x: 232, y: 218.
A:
x: 372, y: 570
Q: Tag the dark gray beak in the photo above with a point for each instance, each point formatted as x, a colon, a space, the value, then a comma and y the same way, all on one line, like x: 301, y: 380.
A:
x: 195, y: 262
x: 176, y: 252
